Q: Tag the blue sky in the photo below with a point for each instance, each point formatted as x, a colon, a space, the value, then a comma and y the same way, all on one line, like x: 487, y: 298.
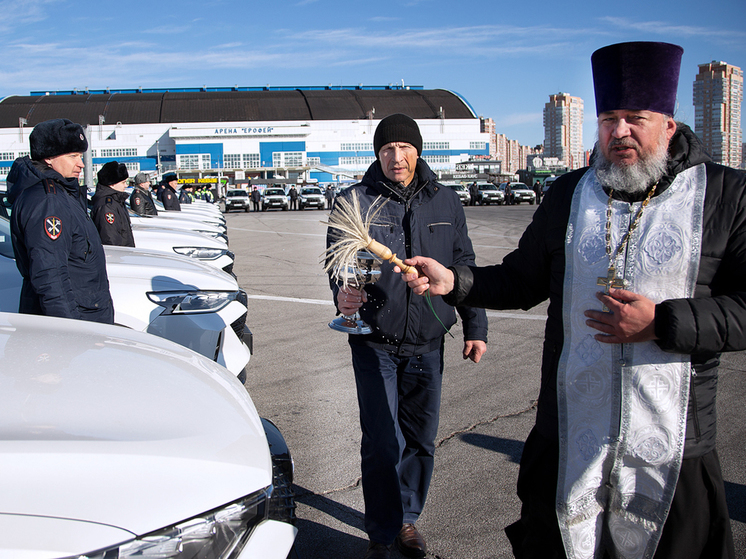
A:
x: 504, y: 58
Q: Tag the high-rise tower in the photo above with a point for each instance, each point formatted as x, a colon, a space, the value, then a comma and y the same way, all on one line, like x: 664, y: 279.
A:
x: 718, y: 94
x: 563, y: 129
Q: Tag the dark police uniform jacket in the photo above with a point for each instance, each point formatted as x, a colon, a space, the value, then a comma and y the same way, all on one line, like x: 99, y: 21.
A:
x: 141, y: 202
x: 57, y: 248
x: 111, y: 217
x: 169, y: 198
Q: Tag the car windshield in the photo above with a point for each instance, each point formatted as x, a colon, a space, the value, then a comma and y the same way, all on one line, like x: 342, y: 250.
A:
x: 233, y: 193
x: 311, y: 191
x: 487, y: 186
x: 274, y: 192
x: 519, y: 186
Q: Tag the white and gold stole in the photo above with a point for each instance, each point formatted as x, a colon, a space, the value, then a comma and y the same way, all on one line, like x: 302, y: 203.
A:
x: 622, y: 407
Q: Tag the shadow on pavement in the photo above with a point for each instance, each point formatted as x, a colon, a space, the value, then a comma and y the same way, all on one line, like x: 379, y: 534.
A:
x: 316, y: 540
x: 510, y: 447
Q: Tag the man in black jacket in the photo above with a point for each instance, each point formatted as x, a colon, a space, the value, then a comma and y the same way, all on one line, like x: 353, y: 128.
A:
x: 399, y: 366
x: 109, y: 212
x: 167, y: 193
x: 141, y: 199
x: 622, y: 458
x: 57, y: 248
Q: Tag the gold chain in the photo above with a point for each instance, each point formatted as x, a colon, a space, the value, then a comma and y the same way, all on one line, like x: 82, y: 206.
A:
x: 630, y: 230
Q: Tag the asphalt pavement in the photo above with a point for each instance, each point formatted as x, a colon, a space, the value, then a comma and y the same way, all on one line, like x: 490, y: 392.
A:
x: 301, y: 378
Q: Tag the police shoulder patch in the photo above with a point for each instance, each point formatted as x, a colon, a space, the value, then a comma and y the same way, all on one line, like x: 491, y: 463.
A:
x: 109, y: 217
x: 53, y: 227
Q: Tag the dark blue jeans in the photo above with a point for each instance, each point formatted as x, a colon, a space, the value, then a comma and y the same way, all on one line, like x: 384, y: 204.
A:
x: 399, y: 399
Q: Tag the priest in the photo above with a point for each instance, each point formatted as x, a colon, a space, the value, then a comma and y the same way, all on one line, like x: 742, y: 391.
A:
x: 643, y: 259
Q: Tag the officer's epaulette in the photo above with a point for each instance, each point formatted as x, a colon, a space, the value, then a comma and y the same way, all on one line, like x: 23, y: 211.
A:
x: 49, y: 186
x: 108, y: 200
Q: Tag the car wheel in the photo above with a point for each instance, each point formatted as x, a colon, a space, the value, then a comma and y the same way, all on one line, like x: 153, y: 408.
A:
x: 284, y: 208
x: 264, y: 208
x: 246, y: 209
x: 531, y: 203
x: 486, y: 203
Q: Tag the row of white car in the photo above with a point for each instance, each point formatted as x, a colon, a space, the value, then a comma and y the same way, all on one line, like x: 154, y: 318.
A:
x: 118, y: 443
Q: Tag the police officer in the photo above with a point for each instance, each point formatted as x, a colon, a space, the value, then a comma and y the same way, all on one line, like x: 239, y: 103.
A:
x: 167, y: 193
x: 141, y: 200
x: 186, y: 196
x: 109, y: 213
x: 57, y: 248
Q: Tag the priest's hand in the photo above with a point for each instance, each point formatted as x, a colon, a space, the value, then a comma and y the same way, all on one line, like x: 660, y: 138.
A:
x: 631, y: 318
x: 432, y: 275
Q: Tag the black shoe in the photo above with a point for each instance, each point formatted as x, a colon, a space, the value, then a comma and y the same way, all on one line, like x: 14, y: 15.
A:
x: 410, y: 543
x: 378, y: 551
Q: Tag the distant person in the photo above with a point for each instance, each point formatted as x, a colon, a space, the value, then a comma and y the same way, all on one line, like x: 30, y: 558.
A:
x: 56, y: 245
x: 141, y: 199
x: 508, y: 194
x: 293, y: 195
x: 256, y: 197
x: 473, y: 194
x: 537, y: 191
x: 109, y: 212
x: 186, y: 196
x: 329, y: 195
x: 167, y: 192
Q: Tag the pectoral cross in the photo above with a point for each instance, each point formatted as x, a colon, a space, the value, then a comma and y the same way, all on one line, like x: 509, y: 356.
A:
x: 611, y: 280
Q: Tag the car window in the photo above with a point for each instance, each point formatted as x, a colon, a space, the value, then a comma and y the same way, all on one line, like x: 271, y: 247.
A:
x: 233, y: 193
x: 311, y: 191
x: 6, y: 246
x: 274, y: 192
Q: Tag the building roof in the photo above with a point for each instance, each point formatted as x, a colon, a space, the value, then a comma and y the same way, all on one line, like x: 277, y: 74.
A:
x: 232, y: 105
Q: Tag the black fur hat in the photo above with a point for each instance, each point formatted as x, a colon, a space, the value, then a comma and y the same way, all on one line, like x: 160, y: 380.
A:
x: 397, y: 128
x: 168, y: 177
x: 112, y: 172
x: 57, y: 137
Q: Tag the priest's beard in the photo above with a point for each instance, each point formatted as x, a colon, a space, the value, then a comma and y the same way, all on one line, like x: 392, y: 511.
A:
x: 638, y: 177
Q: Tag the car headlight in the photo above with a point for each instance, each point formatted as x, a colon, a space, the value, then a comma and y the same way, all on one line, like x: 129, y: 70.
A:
x: 191, y: 302
x: 202, y: 253
x: 219, y: 534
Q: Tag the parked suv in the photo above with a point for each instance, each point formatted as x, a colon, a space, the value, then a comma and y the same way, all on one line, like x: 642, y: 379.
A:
x: 274, y: 197
x: 119, y: 444
x: 311, y: 197
x: 172, y: 296
x: 237, y: 199
x: 520, y: 192
x: 489, y: 194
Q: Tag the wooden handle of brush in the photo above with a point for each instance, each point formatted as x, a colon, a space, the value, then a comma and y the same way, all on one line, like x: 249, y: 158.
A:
x: 385, y: 253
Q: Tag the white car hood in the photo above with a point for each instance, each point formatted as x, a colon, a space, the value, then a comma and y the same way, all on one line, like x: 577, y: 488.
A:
x: 100, y: 424
x: 155, y: 238
x: 172, y: 223
x: 160, y: 270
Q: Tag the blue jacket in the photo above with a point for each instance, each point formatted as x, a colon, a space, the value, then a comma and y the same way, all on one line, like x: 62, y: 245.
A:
x: 431, y: 223
x: 57, y: 247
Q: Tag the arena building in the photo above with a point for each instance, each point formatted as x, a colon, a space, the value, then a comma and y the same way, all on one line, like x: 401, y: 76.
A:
x: 246, y: 135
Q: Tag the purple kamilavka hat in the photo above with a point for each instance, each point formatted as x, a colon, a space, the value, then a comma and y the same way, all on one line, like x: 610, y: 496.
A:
x: 637, y: 76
